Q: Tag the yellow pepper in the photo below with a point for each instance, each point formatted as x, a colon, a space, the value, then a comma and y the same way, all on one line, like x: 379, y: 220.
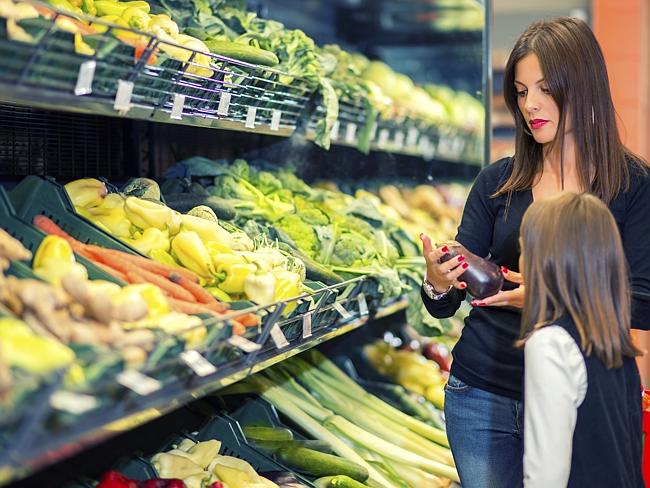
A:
x: 165, y: 23
x: 150, y: 239
x: 53, y: 250
x: 88, y: 6
x: 222, y: 260
x: 82, y: 47
x: 287, y: 285
x: 236, y: 275
x: 260, y: 288
x: 101, y: 28
x: 192, y: 254
x: 136, y: 18
x: 112, y: 7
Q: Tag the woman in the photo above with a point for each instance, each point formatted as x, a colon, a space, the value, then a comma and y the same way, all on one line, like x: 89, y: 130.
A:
x: 557, y: 89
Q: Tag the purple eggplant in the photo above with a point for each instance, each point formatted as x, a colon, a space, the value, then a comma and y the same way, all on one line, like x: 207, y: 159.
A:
x: 483, y: 278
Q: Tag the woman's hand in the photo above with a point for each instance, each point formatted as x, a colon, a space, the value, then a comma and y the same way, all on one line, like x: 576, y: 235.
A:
x: 442, y: 276
x: 511, y: 298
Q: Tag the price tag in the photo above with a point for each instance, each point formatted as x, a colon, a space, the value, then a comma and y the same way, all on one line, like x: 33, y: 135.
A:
x: 197, y: 363
x: 123, y: 96
x: 224, y: 104
x: 350, y: 133
x: 243, y: 344
x: 412, y: 137
x: 429, y: 149
x: 334, y: 135
x: 139, y: 383
x: 306, y: 325
x: 363, y: 304
x: 178, y: 106
x: 250, y: 117
x: 342, y: 311
x: 399, y: 139
x: 74, y: 403
x: 373, y: 131
x: 278, y: 337
x: 275, y: 120
x: 383, y: 138
x: 85, y: 78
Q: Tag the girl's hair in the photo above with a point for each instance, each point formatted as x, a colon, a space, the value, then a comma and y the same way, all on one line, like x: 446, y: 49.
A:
x: 574, y: 266
x: 576, y: 75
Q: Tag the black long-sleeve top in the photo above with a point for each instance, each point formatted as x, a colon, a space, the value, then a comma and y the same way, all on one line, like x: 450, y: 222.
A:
x: 485, y: 356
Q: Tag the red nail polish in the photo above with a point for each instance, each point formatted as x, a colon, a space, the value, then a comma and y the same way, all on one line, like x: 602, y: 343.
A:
x: 461, y: 259
x: 464, y: 265
x: 504, y: 270
x: 462, y: 286
x: 444, y: 249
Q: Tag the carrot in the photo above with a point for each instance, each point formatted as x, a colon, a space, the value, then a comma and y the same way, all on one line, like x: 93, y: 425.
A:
x: 238, y: 329
x: 146, y: 263
x: 195, y: 289
x: 189, y: 308
x: 111, y: 271
x: 248, y: 320
x: 48, y: 226
x: 171, y: 289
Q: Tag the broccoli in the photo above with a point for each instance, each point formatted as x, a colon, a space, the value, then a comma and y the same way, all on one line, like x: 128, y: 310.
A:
x: 302, y: 233
x: 266, y: 182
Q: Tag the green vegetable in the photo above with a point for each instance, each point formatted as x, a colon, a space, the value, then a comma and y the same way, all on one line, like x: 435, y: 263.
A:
x: 242, y: 52
x: 273, y: 446
x: 319, y: 464
x: 184, y: 202
x: 262, y: 433
x: 339, y: 481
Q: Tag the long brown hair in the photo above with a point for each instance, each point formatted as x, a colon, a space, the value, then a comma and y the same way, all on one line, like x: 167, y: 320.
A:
x: 576, y: 75
x: 575, y: 266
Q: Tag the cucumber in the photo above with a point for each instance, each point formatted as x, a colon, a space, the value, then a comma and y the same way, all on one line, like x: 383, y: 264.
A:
x: 338, y: 481
x: 262, y: 433
x: 242, y: 52
x: 184, y: 202
x: 319, y: 464
x: 274, y: 446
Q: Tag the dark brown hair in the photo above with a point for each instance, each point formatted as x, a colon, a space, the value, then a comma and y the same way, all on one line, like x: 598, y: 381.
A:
x: 576, y: 75
x: 575, y: 266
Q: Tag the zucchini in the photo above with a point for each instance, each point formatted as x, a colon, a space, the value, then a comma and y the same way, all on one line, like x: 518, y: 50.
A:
x: 184, y: 202
x: 274, y: 446
x: 242, y: 52
x: 338, y: 481
x: 262, y: 433
x: 319, y: 464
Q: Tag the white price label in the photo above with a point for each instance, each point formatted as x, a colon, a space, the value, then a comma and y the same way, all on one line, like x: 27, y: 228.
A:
x: 383, y: 138
x: 373, y: 131
x: 412, y: 137
x: 342, y: 311
x: 85, y: 78
x: 350, y: 133
x: 429, y: 149
x: 139, y: 383
x: 275, y: 120
x: 74, y: 403
x: 399, y: 139
x: 306, y: 325
x: 278, y: 337
x: 243, y: 344
x: 197, y: 363
x: 224, y: 104
x: 123, y: 96
x: 250, y: 117
x: 334, y: 134
x: 178, y: 106
x: 363, y: 304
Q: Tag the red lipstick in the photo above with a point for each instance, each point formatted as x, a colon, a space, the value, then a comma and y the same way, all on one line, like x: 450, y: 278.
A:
x: 537, y: 123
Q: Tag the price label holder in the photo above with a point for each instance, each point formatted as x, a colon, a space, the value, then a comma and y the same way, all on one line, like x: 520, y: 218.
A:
x: 72, y: 402
x: 373, y: 131
x: 412, y: 137
x: 224, y: 104
x: 177, y: 107
x: 399, y: 139
x: 382, y: 140
x: 350, y: 133
x: 334, y: 135
x: 244, y: 344
x: 137, y: 382
x: 276, y: 115
x: 197, y: 363
x: 250, y: 117
x: 85, y: 78
x: 123, y: 96
x: 306, y: 325
x: 363, y: 304
x: 278, y: 337
x: 345, y: 315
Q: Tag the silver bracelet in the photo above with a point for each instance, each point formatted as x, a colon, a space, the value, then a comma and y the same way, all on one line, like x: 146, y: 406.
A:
x: 431, y: 291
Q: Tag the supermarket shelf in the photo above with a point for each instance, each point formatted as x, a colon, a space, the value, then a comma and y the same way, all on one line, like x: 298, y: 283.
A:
x: 36, y: 451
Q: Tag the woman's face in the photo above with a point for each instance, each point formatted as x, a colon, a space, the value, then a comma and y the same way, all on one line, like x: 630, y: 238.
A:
x: 541, y: 113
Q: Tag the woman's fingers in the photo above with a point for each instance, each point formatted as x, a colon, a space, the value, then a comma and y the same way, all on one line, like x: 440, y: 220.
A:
x: 512, y: 276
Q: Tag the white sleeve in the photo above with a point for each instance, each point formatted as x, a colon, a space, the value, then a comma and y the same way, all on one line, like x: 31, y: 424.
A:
x: 555, y: 386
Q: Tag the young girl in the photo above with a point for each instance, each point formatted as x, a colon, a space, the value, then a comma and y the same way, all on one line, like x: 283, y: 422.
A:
x: 582, y: 393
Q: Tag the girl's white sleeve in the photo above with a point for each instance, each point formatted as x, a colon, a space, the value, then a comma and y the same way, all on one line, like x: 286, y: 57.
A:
x: 555, y: 386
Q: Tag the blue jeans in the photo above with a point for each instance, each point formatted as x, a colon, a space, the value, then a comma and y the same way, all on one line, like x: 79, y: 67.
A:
x: 485, y: 432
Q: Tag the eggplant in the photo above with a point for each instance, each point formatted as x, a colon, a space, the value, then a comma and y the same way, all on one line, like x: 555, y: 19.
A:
x: 283, y: 479
x: 483, y: 277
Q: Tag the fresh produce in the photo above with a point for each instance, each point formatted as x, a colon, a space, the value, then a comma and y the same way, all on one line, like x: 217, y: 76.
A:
x: 115, y: 479
x: 338, y: 481
x: 319, y: 464
x: 483, y: 278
